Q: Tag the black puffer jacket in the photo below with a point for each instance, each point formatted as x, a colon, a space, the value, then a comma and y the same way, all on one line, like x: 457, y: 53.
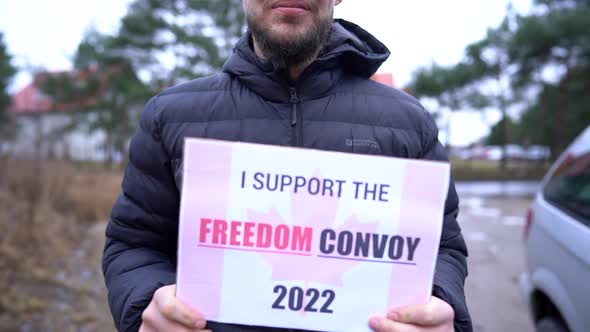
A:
x: 333, y: 106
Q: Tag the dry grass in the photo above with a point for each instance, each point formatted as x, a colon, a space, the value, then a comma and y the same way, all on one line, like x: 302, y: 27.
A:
x: 93, y: 193
x: 46, y: 208
x: 483, y: 170
x: 84, y: 194
x: 44, y: 204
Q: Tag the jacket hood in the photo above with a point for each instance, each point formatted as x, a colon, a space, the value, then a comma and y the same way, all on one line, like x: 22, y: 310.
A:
x: 350, y: 49
x: 356, y: 49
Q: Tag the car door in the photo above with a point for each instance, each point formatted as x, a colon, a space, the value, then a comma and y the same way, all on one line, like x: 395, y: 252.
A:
x: 562, y: 227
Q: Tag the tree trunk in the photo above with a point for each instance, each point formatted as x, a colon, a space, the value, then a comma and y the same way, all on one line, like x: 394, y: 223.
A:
x: 504, y: 134
x: 448, y: 131
x: 560, y: 124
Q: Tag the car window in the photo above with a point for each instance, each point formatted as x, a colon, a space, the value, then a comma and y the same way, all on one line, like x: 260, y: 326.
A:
x: 569, y: 187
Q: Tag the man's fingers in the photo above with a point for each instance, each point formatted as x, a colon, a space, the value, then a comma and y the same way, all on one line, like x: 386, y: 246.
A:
x: 380, y: 324
x: 174, y: 310
x: 156, y: 322
x: 436, y: 312
x: 177, y: 327
x: 422, y: 315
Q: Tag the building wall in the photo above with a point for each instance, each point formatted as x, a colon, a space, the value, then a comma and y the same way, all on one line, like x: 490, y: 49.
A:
x: 43, y: 135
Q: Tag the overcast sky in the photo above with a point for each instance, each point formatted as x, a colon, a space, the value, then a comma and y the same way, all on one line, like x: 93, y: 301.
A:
x: 42, y: 33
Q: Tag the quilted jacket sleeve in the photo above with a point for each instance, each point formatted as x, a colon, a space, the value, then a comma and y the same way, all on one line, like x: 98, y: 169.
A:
x: 139, y: 255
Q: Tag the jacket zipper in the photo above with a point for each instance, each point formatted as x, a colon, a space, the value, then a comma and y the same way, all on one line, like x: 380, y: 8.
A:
x: 295, y: 116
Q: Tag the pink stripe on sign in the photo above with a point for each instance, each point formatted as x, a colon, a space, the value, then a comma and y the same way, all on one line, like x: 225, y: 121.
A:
x: 206, y: 183
x: 420, y: 200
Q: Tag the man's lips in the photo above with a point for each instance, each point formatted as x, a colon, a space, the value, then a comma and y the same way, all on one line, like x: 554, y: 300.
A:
x: 291, y: 7
x: 294, y: 4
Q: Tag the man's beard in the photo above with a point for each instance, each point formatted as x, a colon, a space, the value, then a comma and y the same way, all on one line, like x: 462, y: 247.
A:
x: 284, y: 52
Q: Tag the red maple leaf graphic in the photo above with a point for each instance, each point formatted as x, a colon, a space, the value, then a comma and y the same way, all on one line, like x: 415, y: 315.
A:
x: 320, y: 212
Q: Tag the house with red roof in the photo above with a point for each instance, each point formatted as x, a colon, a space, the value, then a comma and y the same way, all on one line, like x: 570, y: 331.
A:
x: 49, y: 129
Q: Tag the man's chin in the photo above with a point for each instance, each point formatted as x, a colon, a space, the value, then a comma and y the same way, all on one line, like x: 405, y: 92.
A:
x: 289, y: 35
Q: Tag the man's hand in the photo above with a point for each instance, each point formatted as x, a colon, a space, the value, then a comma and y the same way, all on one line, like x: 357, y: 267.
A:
x: 435, y: 316
x: 167, y: 313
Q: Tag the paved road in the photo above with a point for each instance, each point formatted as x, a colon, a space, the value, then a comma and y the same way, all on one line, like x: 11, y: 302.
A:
x: 493, y: 230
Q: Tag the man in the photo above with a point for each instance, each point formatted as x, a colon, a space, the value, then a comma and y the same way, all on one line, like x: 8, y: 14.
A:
x: 297, y: 78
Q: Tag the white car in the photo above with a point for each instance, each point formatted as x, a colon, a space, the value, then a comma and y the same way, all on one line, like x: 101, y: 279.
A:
x: 557, y: 237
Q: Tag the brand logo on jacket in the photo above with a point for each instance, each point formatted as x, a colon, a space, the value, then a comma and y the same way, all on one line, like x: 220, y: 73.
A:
x: 364, y: 143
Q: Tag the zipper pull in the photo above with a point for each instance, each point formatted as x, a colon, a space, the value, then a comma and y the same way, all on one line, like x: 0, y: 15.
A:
x: 294, y: 101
